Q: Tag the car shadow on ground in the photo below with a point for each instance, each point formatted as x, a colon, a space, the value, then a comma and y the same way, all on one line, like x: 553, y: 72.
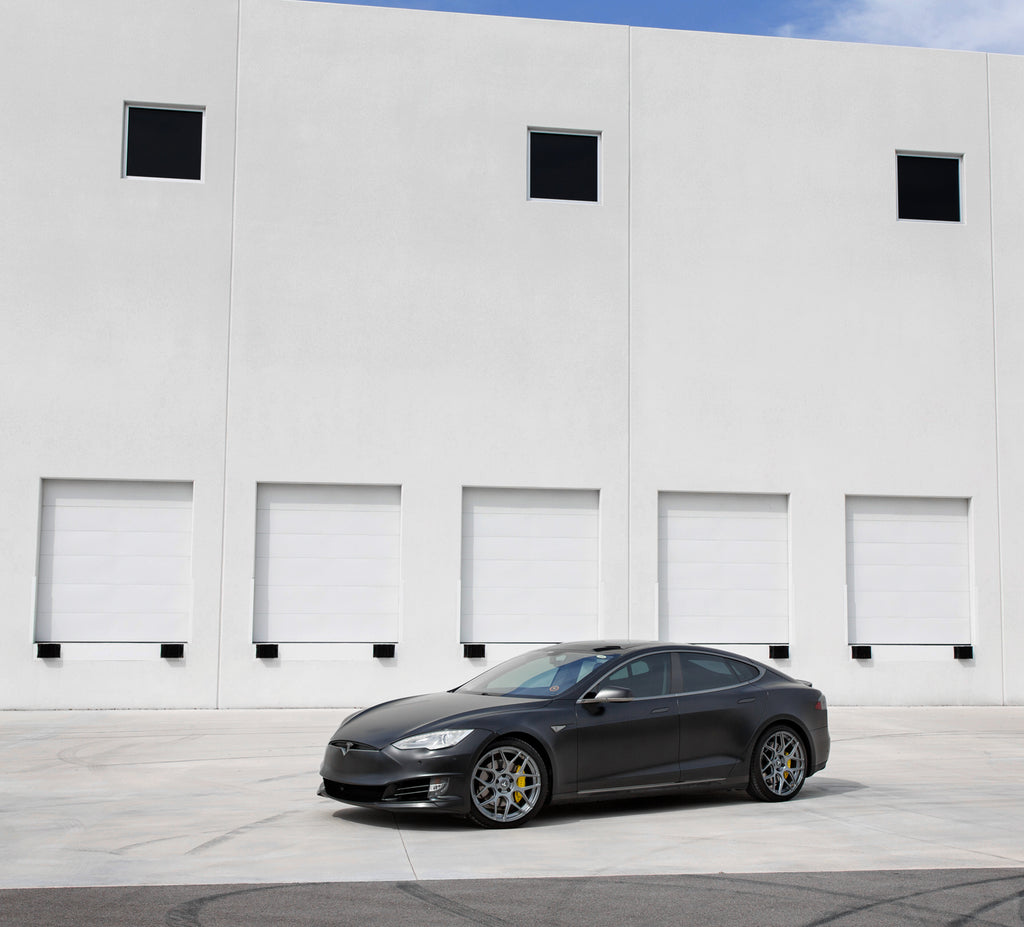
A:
x: 561, y: 815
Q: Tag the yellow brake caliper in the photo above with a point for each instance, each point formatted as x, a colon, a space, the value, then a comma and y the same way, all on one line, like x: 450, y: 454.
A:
x: 520, y: 783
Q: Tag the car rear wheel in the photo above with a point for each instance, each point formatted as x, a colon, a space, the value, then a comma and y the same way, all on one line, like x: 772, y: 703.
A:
x: 509, y: 784
x: 778, y: 767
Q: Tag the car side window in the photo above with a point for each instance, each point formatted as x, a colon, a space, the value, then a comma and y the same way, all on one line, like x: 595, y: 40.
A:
x: 702, y: 671
x: 646, y: 677
x: 744, y: 671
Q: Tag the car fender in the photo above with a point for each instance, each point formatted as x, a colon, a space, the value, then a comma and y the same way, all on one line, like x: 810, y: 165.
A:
x: 554, y: 741
x: 789, y: 720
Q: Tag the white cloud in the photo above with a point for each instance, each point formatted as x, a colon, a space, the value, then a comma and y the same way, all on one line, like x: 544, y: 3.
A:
x: 981, y: 25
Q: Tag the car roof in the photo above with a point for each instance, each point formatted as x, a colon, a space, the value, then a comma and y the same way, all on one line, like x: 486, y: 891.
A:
x: 624, y: 646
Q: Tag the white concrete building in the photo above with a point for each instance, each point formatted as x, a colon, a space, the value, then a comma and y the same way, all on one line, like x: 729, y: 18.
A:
x: 374, y: 361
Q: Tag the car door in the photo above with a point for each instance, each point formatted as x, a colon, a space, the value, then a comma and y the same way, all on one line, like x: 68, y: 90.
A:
x: 634, y: 744
x: 720, y: 708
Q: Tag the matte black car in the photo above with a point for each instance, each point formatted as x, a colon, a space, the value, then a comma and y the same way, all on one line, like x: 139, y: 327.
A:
x: 582, y: 721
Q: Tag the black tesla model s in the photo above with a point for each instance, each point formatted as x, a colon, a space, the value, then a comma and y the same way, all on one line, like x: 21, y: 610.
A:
x: 581, y: 721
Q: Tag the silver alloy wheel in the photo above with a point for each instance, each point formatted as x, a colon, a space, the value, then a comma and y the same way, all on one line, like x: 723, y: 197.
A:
x: 782, y: 763
x: 507, y: 784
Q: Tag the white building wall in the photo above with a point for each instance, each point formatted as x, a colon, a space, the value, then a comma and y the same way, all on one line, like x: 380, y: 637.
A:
x: 114, y: 311
x: 359, y: 292
x: 402, y: 314
x: 1006, y: 79
x: 790, y: 335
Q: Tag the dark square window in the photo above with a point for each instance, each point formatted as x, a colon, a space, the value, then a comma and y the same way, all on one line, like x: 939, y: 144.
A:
x: 164, y: 143
x: 563, y: 167
x: 929, y: 187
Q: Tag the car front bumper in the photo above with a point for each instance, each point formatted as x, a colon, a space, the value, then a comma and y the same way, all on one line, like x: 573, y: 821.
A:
x: 400, y: 780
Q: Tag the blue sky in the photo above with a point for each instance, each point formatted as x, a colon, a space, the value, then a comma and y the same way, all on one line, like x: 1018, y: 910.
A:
x: 980, y: 25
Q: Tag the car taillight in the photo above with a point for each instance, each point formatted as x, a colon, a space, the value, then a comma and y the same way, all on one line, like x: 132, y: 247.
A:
x: 821, y: 704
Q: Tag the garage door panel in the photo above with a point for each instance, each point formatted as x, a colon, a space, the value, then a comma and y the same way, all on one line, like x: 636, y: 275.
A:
x: 101, y: 598
x: 327, y: 600
x: 330, y: 521
x: 922, y: 554
x: 760, y: 629
x: 908, y: 570
x: 512, y: 601
x: 901, y: 508
x: 113, y: 570
x: 307, y: 628
x: 527, y: 500
x: 128, y: 544
x: 114, y: 561
x: 741, y: 604
x: 893, y: 531
x: 117, y: 519
x: 133, y: 627
x: 317, y: 497
x: 529, y: 565
x: 542, y: 574
x: 118, y: 493
x: 505, y: 548
x: 727, y: 576
x: 757, y: 527
x: 928, y: 631
x: 742, y: 506
x: 293, y: 571
x: 688, y: 550
x: 532, y: 629
x: 328, y: 546
x: 910, y: 576
x: 723, y: 567
x: 529, y: 525
x: 331, y: 554
x: 899, y: 604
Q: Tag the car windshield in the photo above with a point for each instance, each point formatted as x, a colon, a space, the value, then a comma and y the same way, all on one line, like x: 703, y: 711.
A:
x: 542, y: 674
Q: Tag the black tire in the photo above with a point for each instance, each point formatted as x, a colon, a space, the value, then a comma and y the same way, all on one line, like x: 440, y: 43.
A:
x: 509, y: 784
x: 778, y: 765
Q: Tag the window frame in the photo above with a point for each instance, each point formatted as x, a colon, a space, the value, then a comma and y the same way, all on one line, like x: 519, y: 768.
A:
x: 673, y: 673
x: 544, y: 130
x: 677, y: 678
x: 715, y: 656
x: 942, y: 156
x: 184, y: 108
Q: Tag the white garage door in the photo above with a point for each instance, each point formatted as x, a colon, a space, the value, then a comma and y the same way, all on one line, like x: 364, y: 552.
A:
x: 327, y: 563
x: 529, y: 565
x: 908, y: 571
x: 723, y: 568
x: 115, y: 561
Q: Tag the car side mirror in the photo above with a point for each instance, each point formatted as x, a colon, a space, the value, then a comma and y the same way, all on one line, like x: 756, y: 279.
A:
x: 608, y: 694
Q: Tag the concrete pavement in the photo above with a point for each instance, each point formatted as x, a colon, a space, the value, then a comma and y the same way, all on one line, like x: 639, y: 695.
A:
x: 220, y: 798
x: 929, y: 898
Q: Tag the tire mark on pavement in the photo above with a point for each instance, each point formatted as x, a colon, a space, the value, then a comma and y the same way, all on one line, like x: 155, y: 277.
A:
x: 850, y: 904
x: 972, y: 916
x: 238, y: 831
x: 450, y: 906
x: 187, y: 914
x: 908, y: 900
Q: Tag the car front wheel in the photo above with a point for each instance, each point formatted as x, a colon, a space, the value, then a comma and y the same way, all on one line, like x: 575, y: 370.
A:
x: 509, y: 784
x: 778, y: 767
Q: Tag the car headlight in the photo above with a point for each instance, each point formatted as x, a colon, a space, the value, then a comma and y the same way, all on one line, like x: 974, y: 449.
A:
x: 435, y: 740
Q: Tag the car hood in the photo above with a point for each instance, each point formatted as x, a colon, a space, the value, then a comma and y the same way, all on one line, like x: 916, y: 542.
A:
x: 391, y: 721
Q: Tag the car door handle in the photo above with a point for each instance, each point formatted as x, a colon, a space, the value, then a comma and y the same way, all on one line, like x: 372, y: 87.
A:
x: 658, y: 711
x: 745, y: 701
